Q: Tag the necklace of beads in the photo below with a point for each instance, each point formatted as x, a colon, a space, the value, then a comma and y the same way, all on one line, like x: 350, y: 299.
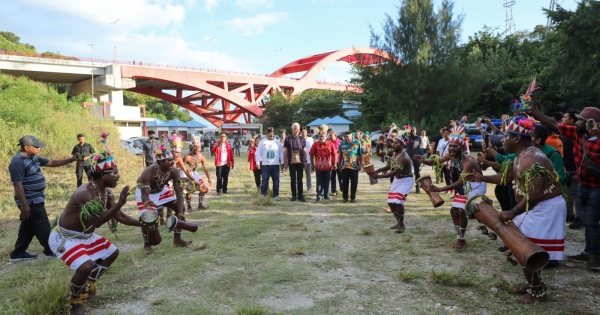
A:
x: 162, y: 177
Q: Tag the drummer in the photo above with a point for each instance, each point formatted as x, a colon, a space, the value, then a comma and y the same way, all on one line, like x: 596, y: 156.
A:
x: 152, y: 190
x: 460, y: 163
x: 400, y: 168
x: 73, y: 239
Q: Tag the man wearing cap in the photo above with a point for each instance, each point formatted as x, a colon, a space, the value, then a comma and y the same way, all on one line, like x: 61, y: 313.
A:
x: 148, y: 148
x: 82, y: 151
x: 29, y: 184
x: 269, y: 159
x: 585, y: 136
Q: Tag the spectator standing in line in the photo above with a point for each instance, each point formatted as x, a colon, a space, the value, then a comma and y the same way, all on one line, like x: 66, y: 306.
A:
x: 224, y: 162
x: 148, y: 148
x: 295, y: 161
x: 82, y: 152
x: 207, y: 145
x: 236, y: 146
x: 309, y: 166
x: 254, y: 166
x: 270, y: 152
x: 424, y: 141
x: 436, y: 140
x: 576, y: 213
x: 585, y: 136
x: 336, y: 172
x: 29, y: 184
x: 322, y: 154
x: 350, y: 152
x: 212, y: 144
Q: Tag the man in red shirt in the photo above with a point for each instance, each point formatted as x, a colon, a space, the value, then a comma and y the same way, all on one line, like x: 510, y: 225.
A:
x: 322, y: 155
x: 223, y: 161
x: 585, y: 136
x: 335, y: 141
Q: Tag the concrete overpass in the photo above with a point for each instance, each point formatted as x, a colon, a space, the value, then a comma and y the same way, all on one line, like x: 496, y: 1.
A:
x: 239, y: 94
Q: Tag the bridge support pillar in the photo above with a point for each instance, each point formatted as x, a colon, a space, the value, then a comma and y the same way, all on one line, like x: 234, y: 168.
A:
x: 108, y: 87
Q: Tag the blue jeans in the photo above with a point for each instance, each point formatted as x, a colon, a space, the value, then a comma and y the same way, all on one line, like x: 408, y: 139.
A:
x: 323, y: 179
x: 273, y: 172
x: 590, y: 203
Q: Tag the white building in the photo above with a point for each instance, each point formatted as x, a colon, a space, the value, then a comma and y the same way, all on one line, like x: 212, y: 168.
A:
x: 128, y: 119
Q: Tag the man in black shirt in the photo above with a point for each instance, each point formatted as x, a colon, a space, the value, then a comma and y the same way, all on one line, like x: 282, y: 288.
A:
x: 436, y: 140
x: 82, y: 152
x: 148, y: 148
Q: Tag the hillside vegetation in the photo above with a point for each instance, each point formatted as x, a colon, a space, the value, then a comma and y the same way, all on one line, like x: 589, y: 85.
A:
x: 32, y: 108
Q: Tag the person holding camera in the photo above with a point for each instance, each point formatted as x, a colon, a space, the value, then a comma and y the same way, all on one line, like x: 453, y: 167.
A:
x: 585, y: 136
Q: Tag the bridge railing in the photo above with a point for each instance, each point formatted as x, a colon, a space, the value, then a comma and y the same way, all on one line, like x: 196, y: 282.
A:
x: 61, y: 58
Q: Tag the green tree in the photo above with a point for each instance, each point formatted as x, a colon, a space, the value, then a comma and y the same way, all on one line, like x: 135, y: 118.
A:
x: 424, y: 74
x: 10, y: 41
x: 156, y: 107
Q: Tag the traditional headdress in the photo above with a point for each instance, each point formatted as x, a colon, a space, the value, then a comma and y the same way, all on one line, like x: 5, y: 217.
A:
x: 176, y: 143
x: 392, y: 131
x: 457, y: 130
x: 103, y: 162
x: 521, y: 125
x: 196, y: 139
x: 164, y: 150
x: 525, y: 101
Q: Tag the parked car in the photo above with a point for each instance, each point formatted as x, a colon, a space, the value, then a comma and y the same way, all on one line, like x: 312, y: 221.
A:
x: 375, y: 135
x: 133, y: 146
x: 475, y: 137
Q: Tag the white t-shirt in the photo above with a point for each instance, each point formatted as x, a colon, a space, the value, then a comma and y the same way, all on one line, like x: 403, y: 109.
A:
x: 424, y: 142
x: 309, y: 143
x: 442, y: 147
x: 223, y: 155
x: 270, y: 152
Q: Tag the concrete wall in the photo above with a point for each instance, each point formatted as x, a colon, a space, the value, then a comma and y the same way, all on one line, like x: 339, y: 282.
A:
x: 128, y: 132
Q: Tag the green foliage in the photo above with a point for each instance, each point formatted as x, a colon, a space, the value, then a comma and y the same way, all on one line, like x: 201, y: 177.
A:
x: 156, y: 107
x: 10, y: 41
x: 249, y: 310
x: 283, y: 109
x: 46, y: 296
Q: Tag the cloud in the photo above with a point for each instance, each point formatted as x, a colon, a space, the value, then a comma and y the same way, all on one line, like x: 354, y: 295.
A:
x: 132, y: 14
x: 253, y: 4
x: 256, y: 24
x: 210, y: 5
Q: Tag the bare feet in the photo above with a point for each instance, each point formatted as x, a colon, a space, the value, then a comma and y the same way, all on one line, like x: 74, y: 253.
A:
x: 148, y: 250
x: 182, y: 243
x: 77, y: 309
x: 387, y: 209
x: 400, y: 228
x: 459, y: 244
x: 394, y: 227
x: 201, y: 207
x: 529, y: 299
x: 523, y: 289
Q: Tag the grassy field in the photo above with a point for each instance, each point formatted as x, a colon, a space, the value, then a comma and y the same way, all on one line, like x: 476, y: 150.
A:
x: 255, y: 256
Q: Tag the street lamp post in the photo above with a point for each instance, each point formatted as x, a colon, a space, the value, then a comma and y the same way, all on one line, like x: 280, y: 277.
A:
x: 212, y: 57
x: 115, y: 48
x: 92, y: 71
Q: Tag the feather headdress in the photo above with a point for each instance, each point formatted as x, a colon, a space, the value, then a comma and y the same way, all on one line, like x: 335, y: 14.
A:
x: 196, y: 139
x: 177, y: 143
x: 521, y: 125
x: 164, y: 150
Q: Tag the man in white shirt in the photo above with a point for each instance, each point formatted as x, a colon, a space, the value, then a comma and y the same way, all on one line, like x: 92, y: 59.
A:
x: 308, y: 169
x: 424, y: 141
x: 269, y: 159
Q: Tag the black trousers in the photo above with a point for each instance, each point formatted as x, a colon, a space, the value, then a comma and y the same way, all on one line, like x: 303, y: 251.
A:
x: 447, y: 178
x: 36, y: 225
x: 296, y: 173
x: 257, y: 178
x: 349, y: 178
x: 222, y: 178
x: 79, y: 171
x: 417, y: 166
x: 336, y: 173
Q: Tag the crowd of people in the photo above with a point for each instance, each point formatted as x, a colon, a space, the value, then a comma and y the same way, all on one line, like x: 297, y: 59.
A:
x: 547, y: 173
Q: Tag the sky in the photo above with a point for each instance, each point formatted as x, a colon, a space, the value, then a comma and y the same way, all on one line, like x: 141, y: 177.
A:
x: 256, y: 36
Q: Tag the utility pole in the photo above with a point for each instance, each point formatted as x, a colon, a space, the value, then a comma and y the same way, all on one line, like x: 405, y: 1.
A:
x: 212, y: 57
x: 115, y: 48
x: 549, y: 21
x: 510, y: 22
x: 92, y: 72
